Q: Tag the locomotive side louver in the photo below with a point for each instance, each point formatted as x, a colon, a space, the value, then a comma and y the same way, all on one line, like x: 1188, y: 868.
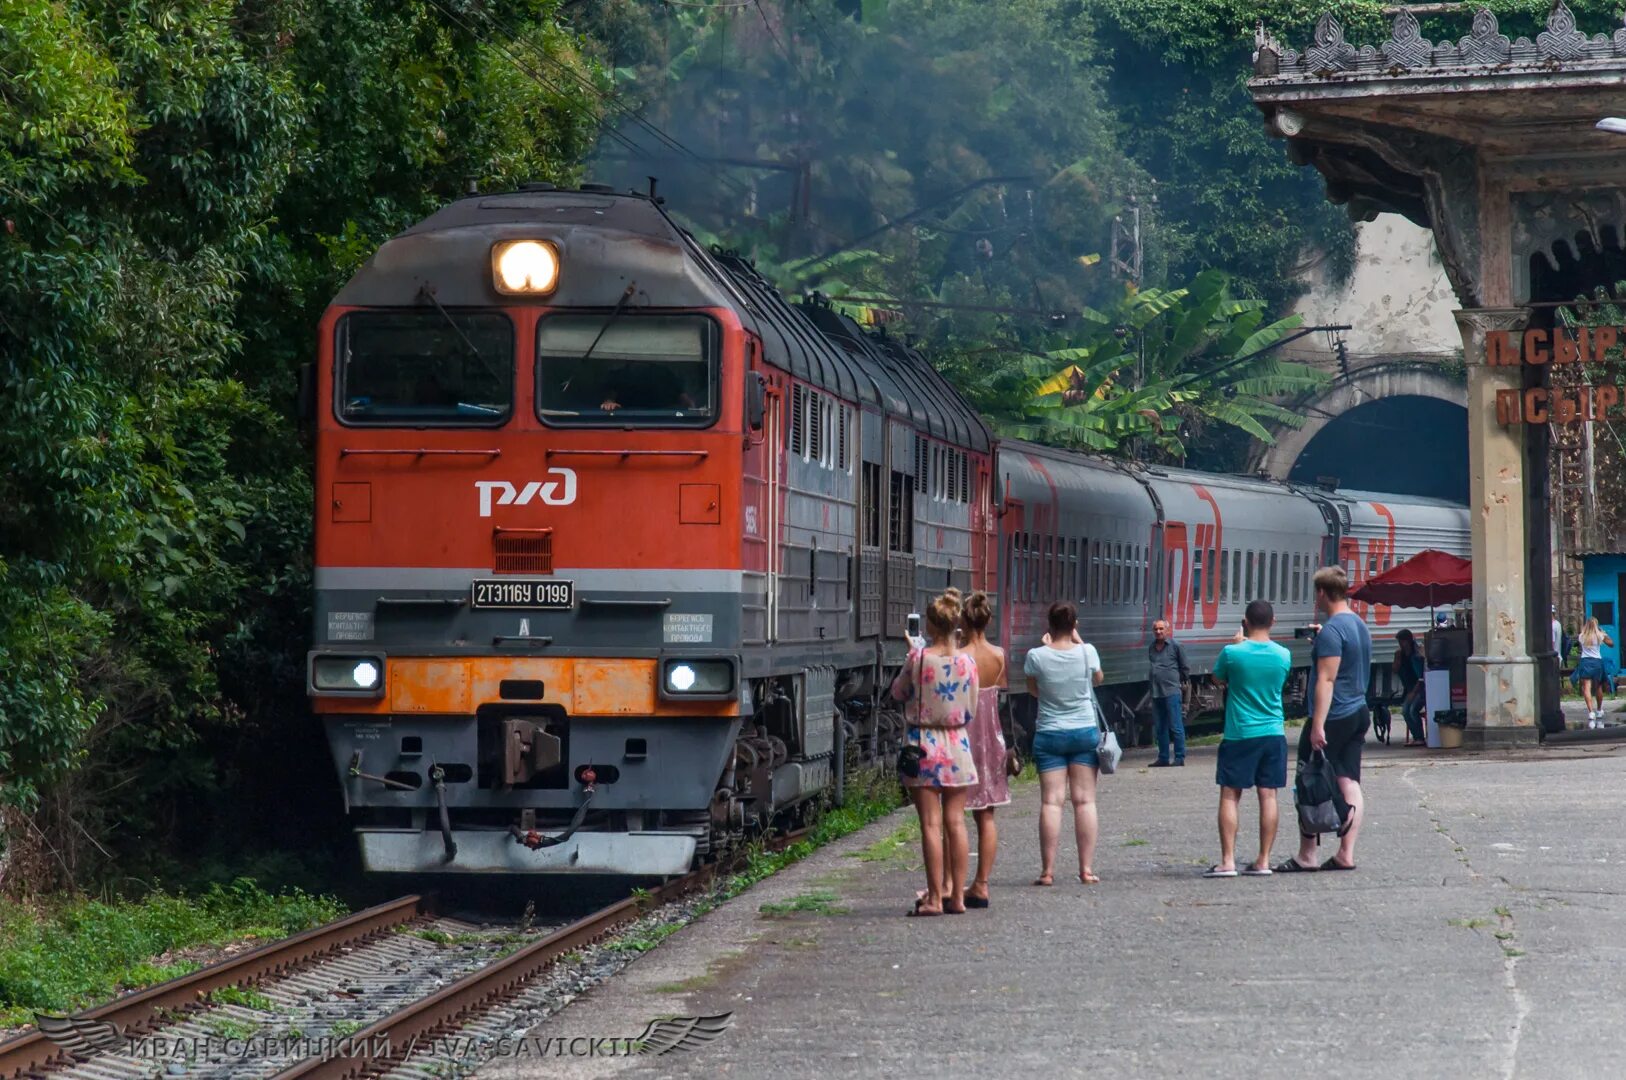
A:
x: 522, y: 551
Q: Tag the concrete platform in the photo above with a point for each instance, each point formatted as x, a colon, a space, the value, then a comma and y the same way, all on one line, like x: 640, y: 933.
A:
x: 1482, y: 936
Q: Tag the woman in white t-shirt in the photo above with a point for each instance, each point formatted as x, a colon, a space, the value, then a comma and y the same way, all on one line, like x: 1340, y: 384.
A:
x: 1062, y: 675
x: 1590, y: 670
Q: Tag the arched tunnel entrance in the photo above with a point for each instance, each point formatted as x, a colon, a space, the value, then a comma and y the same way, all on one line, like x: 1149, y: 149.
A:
x: 1406, y: 445
x: 1399, y: 428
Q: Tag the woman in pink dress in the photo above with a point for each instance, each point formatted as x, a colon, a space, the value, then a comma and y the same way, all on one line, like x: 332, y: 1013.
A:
x: 987, y: 742
x: 939, y: 685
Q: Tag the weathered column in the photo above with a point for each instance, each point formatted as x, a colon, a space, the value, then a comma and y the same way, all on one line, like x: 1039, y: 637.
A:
x: 1501, y: 673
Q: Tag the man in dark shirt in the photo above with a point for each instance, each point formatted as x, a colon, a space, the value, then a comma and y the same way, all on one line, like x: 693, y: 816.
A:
x: 1168, y: 678
x: 1342, y: 653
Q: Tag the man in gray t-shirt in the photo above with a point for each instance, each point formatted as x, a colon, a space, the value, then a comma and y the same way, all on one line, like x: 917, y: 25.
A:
x: 1342, y: 654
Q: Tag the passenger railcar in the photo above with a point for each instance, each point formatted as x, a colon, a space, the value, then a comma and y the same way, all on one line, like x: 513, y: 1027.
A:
x: 615, y: 546
x: 1130, y: 544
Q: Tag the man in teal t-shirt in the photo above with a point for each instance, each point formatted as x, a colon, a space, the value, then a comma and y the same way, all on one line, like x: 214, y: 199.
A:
x: 1253, y: 752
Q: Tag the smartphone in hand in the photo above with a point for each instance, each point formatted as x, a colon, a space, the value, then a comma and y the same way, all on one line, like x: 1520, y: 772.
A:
x: 912, y: 630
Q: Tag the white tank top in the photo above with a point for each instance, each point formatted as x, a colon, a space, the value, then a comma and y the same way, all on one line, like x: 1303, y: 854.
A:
x: 1591, y: 652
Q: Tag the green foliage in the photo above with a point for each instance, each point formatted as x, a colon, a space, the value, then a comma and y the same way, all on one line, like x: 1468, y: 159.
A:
x: 815, y: 902
x: 1150, y: 369
x: 987, y: 131
x: 74, y: 954
x: 241, y: 996
x: 183, y: 184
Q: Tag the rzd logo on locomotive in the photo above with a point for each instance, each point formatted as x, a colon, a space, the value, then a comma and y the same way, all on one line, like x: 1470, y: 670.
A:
x: 560, y: 492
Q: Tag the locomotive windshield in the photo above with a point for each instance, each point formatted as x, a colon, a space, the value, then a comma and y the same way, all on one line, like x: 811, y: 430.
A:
x: 644, y: 370
x: 407, y: 368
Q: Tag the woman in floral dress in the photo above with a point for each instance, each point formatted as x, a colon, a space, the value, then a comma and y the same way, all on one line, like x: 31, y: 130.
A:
x: 939, y: 685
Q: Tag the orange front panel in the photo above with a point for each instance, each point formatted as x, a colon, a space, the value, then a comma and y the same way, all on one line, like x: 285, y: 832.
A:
x: 429, y: 686
x: 458, y: 687
x: 614, y: 687
x: 557, y: 676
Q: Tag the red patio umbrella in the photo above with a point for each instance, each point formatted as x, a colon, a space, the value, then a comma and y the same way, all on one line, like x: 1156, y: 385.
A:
x: 1430, y: 577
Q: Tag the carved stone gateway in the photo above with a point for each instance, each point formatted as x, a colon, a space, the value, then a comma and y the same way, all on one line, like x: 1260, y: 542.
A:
x: 1490, y: 142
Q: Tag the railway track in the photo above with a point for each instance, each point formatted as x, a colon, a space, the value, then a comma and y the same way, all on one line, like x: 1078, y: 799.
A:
x: 353, y: 956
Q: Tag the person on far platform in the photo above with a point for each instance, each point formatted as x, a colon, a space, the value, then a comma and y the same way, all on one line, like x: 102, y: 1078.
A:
x: 1168, y: 676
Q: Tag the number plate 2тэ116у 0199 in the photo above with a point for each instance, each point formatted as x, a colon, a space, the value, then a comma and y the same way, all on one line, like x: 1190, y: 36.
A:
x: 542, y: 595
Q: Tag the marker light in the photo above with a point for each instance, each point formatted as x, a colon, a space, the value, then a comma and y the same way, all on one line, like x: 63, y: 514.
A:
x: 338, y: 673
x: 525, y: 267
x: 698, y: 678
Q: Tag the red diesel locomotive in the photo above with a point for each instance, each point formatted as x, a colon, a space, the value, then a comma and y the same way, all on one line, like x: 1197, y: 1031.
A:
x: 615, y: 547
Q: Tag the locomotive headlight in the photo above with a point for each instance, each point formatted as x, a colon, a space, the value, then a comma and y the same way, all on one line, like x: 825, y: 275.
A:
x: 698, y: 678
x: 359, y: 676
x: 525, y: 267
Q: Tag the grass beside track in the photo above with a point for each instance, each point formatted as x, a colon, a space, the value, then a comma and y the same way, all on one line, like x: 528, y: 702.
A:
x: 71, y: 954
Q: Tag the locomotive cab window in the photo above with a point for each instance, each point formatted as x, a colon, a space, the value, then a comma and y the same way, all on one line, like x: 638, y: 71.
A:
x: 417, y: 368
x: 631, y: 371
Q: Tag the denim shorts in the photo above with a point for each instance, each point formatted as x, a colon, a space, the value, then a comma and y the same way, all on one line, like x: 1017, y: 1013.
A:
x: 1058, y: 748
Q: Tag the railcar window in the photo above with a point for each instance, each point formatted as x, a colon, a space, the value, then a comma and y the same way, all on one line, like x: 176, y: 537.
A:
x: 1247, y: 588
x: 1095, y: 571
x: 1117, y: 573
x: 405, y: 368
x: 1072, y: 570
x: 1294, y: 598
x: 1270, y: 580
x: 1196, y: 574
x: 644, y: 371
x: 1236, y: 577
x: 1220, y: 571
x: 900, y: 535
x: 1281, y: 582
x: 872, y: 504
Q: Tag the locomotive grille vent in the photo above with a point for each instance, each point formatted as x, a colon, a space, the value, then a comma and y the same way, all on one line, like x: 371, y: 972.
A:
x: 522, y: 551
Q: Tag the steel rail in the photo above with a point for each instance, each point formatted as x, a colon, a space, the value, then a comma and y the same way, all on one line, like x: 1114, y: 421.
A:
x: 377, y: 1047
x: 30, y: 1054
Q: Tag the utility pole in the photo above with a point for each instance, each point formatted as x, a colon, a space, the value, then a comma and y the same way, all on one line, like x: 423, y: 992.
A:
x: 1126, y: 251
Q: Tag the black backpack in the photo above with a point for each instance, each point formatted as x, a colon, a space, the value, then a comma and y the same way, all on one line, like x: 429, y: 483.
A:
x: 1321, y: 806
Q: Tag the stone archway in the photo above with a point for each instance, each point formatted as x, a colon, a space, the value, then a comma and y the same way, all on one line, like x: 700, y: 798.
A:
x: 1362, y: 387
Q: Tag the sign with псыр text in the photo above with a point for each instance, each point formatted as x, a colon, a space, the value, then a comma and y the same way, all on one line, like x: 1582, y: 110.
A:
x: 1558, y: 346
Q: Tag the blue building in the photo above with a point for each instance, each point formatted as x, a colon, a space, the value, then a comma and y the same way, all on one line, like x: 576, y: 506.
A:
x: 1604, y: 589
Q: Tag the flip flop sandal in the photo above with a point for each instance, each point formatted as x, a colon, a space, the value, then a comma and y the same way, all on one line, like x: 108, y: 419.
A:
x: 1216, y: 871
x: 918, y: 911
x: 976, y: 901
x: 1291, y: 865
x: 1041, y: 881
x: 1257, y: 871
x: 1089, y: 879
x: 1334, y: 864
